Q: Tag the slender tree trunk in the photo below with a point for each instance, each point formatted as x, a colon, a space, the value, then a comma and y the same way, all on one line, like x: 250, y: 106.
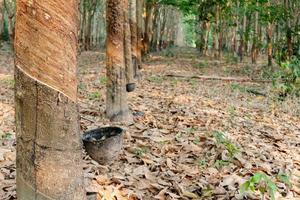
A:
x: 139, y: 13
x: 242, y: 38
x: 134, y: 37
x: 49, y: 149
x: 216, y: 33
x: 220, y: 40
x: 247, y: 34
x: 254, y: 51
x: 116, y: 96
x: 1, y: 18
x: 269, y: 41
x: 130, y: 84
x: 162, y: 28
x: 206, y: 35
x: 10, y: 11
x: 148, y: 26
x: 87, y: 35
x: 288, y: 30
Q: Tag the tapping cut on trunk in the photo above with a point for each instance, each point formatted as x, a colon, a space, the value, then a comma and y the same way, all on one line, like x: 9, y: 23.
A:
x: 116, y: 96
x: 49, y: 148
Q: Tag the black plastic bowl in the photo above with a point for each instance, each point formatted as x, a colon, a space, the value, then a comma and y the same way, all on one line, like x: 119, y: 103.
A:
x: 103, y: 144
x: 130, y: 87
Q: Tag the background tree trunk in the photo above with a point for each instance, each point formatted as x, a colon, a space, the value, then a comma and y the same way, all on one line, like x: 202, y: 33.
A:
x: 49, y: 148
x: 116, y: 96
x: 242, y: 38
x: 127, y: 47
x: 148, y: 26
x: 134, y: 36
x: 289, y: 36
x: 254, y: 52
x: 139, y: 13
x: 1, y: 18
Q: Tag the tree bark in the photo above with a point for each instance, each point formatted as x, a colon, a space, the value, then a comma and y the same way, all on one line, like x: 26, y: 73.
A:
x: 148, y: 26
x: 116, y: 96
x: 242, y: 38
x: 288, y: 30
x: 1, y: 18
x: 269, y: 43
x: 134, y: 36
x: 127, y: 51
x: 49, y: 148
x: 254, y: 52
x: 139, y: 13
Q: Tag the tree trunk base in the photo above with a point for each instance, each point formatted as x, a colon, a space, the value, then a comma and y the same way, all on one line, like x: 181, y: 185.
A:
x: 49, y: 148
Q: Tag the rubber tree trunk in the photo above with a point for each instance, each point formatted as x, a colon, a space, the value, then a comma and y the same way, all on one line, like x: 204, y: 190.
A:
x: 289, y: 36
x: 134, y: 36
x: 270, y: 45
x: 148, y: 27
x: 130, y: 82
x: 254, y: 51
x: 243, y: 38
x: 49, y: 148
x: 116, y: 96
x: 1, y: 17
x: 156, y: 28
x: 139, y: 13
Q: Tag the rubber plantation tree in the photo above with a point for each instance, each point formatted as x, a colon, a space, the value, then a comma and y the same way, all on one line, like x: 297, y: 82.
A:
x: 49, y: 148
x: 116, y: 96
x: 130, y: 82
x: 1, y: 17
x: 134, y: 36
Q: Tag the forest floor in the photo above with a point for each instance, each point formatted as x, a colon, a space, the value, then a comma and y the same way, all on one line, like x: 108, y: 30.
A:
x: 192, y: 138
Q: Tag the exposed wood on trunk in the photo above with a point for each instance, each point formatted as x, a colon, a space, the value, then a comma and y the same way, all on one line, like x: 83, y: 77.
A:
x: 49, y: 148
x: 116, y: 96
x: 46, y: 60
x: 127, y: 47
x: 134, y: 36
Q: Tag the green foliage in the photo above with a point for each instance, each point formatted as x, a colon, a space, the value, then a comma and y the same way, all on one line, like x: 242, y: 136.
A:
x: 261, y: 182
x: 10, y: 82
x: 156, y: 79
x: 191, y: 130
x: 194, y: 84
x: 207, y: 192
x: 196, y: 141
x: 231, y: 148
x: 284, y: 178
x: 219, y: 164
x: 94, y: 95
x: 231, y: 58
x: 7, y: 136
x: 82, y: 86
x: 202, y: 162
x: 140, y: 152
x: 288, y: 78
x: 103, y: 80
x: 200, y: 65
